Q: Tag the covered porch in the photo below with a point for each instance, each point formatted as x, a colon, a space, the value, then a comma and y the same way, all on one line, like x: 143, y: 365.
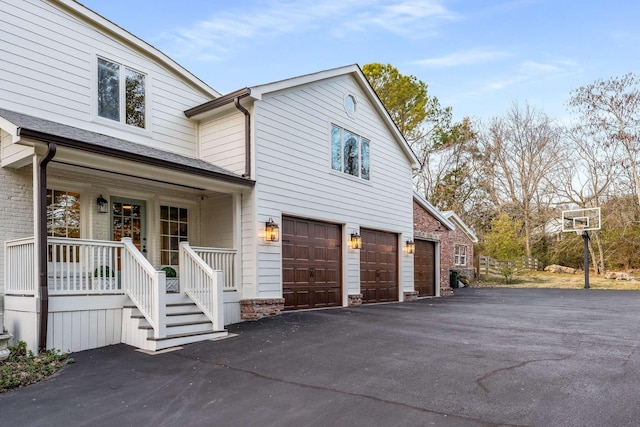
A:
x: 111, y: 221
x: 106, y: 292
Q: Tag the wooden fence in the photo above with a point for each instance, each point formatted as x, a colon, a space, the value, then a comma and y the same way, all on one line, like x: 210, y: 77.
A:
x: 488, y: 265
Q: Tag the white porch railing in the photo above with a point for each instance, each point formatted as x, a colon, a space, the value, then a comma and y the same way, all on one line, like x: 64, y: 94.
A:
x: 202, y: 284
x: 20, y: 267
x: 220, y: 259
x: 145, y: 286
x: 78, y: 266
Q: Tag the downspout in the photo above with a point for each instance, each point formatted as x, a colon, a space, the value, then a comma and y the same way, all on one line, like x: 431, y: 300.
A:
x: 247, y: 137
x: 42, y: 256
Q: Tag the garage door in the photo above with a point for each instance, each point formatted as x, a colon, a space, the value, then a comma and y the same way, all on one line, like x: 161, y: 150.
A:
x: 424, y: 261
x: 311, y: 261
x: 378, y: 266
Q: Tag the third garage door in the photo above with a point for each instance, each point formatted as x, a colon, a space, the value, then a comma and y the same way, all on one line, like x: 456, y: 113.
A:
x: 310, y: 264
x: 424, y: 262
x: 378, y: 266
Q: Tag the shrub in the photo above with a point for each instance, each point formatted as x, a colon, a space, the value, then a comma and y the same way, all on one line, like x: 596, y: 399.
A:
x: 169, y: 271
x: 22, y: 367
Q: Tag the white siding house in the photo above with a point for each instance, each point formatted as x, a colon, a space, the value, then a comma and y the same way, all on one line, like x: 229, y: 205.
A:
x: 89, y: 113
x: 297, y: 185
x: 119, y: 169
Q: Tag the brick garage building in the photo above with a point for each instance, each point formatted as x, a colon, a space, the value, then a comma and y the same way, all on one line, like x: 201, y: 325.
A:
x: 452, y: 238
x: 430, y: 231
x: 457, y: 248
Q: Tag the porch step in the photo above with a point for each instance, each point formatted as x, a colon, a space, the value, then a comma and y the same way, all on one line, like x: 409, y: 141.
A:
x: 185, y: 324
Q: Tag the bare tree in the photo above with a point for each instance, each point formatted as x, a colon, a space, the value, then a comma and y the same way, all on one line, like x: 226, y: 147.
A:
x: 610, y: 110
x: 522, y: 152
x: 587, y: 179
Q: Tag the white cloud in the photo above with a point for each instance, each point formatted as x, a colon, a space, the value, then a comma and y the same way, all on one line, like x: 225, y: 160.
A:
x: 212, y: 38
x: 462, y: 58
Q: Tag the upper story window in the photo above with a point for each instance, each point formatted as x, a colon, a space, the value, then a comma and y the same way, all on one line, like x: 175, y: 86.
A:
x: 349, y: 152
x: 63, y: 214
x: 350, y: 105
x: 121, y: 93
x: 460, y: 255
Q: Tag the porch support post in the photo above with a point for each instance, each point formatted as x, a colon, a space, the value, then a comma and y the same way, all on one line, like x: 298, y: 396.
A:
x: 41, y: 238
x: 237, y: 241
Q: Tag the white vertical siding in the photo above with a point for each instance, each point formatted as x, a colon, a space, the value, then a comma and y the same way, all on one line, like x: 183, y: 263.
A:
x: 222, y: 141
x: 292, y: 134
x: 48, y: 66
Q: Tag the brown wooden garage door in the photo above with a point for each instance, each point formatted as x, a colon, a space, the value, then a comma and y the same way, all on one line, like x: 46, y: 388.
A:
x: 378, y: 266
x: 424, y: 261
x: 311, y: 261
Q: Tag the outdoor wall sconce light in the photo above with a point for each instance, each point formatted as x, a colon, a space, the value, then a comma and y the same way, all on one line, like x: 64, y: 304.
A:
x: 356, y: 240
x: 410, y: 247
x: 440, y: 228
x: 103, y: 205
x: 271, y: 231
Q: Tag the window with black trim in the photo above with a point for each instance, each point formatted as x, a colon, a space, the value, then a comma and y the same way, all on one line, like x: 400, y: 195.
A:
x: 121, y: 93
x: 349, y: 153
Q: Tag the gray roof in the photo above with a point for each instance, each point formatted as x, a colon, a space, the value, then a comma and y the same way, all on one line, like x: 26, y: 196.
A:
x: 46, y: 130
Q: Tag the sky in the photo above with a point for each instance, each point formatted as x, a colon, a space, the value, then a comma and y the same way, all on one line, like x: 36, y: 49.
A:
x: 478, y: 57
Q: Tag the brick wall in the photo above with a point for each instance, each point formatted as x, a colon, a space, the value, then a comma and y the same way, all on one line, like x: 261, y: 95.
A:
x: 426, y: 225
x: 16, y: 211
x: 447, y: 256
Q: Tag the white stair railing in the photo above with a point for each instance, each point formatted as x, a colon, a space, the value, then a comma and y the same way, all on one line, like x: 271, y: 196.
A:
x: 145, y: 286
x: 20, y: 267
x: 202, y: 284
x: 220, y: 259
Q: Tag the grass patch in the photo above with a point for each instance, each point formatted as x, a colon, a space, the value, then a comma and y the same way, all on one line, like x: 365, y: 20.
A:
x: 22, y: 367
x: 543, y: 279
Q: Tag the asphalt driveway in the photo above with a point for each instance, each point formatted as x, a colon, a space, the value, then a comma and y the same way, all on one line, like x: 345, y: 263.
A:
x: 485, y: 357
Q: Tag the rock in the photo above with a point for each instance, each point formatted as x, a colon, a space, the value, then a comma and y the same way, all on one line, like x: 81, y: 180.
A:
x: 617, y: 275
x: 554, y: 268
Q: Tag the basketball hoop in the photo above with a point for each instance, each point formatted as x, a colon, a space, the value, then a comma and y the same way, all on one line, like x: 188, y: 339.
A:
x: 579, y: 229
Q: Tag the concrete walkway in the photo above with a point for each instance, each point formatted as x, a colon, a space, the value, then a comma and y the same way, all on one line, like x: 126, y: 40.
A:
x: 485, y: 357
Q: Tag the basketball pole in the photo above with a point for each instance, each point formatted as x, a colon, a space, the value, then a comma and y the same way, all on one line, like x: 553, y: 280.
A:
x: 585, y: 237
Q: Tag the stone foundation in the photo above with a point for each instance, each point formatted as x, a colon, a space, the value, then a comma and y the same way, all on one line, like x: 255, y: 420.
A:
x: 446, y: 292
x: 411, y: 296
x: 254, y: 309
x: 355, y: 300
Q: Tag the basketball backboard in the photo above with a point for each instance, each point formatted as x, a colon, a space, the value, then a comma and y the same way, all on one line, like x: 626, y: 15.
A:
x: 580, y: 220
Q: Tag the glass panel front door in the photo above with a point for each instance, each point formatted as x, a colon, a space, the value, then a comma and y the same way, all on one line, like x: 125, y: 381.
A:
x: 128, y: 220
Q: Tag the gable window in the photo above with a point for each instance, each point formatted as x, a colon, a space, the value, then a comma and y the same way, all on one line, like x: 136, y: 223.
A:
x: 121, y: 93
x: 63, y: 214
x: 349, y: 153
x: 173, y: 230
x: 460, y: 255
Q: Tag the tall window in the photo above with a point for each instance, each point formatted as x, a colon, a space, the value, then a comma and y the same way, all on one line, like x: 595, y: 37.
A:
x: 173, y: 230
x: 349, y: 153
x: 460, y: 255
x: 121, y: 93
x: 63, y: 214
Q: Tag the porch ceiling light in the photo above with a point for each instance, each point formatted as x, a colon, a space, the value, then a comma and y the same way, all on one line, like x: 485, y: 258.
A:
x: 103, y: 205
x: 410, y: 247
x: 271, y: 231
x: 356, y: 240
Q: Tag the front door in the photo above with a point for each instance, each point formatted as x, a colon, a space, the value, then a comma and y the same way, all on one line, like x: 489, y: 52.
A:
x: 128, y: 220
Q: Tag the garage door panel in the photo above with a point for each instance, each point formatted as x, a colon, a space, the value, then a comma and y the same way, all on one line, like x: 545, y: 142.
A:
x: 378, y: 266
x: 424, y: 268
x: 316, y: 261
